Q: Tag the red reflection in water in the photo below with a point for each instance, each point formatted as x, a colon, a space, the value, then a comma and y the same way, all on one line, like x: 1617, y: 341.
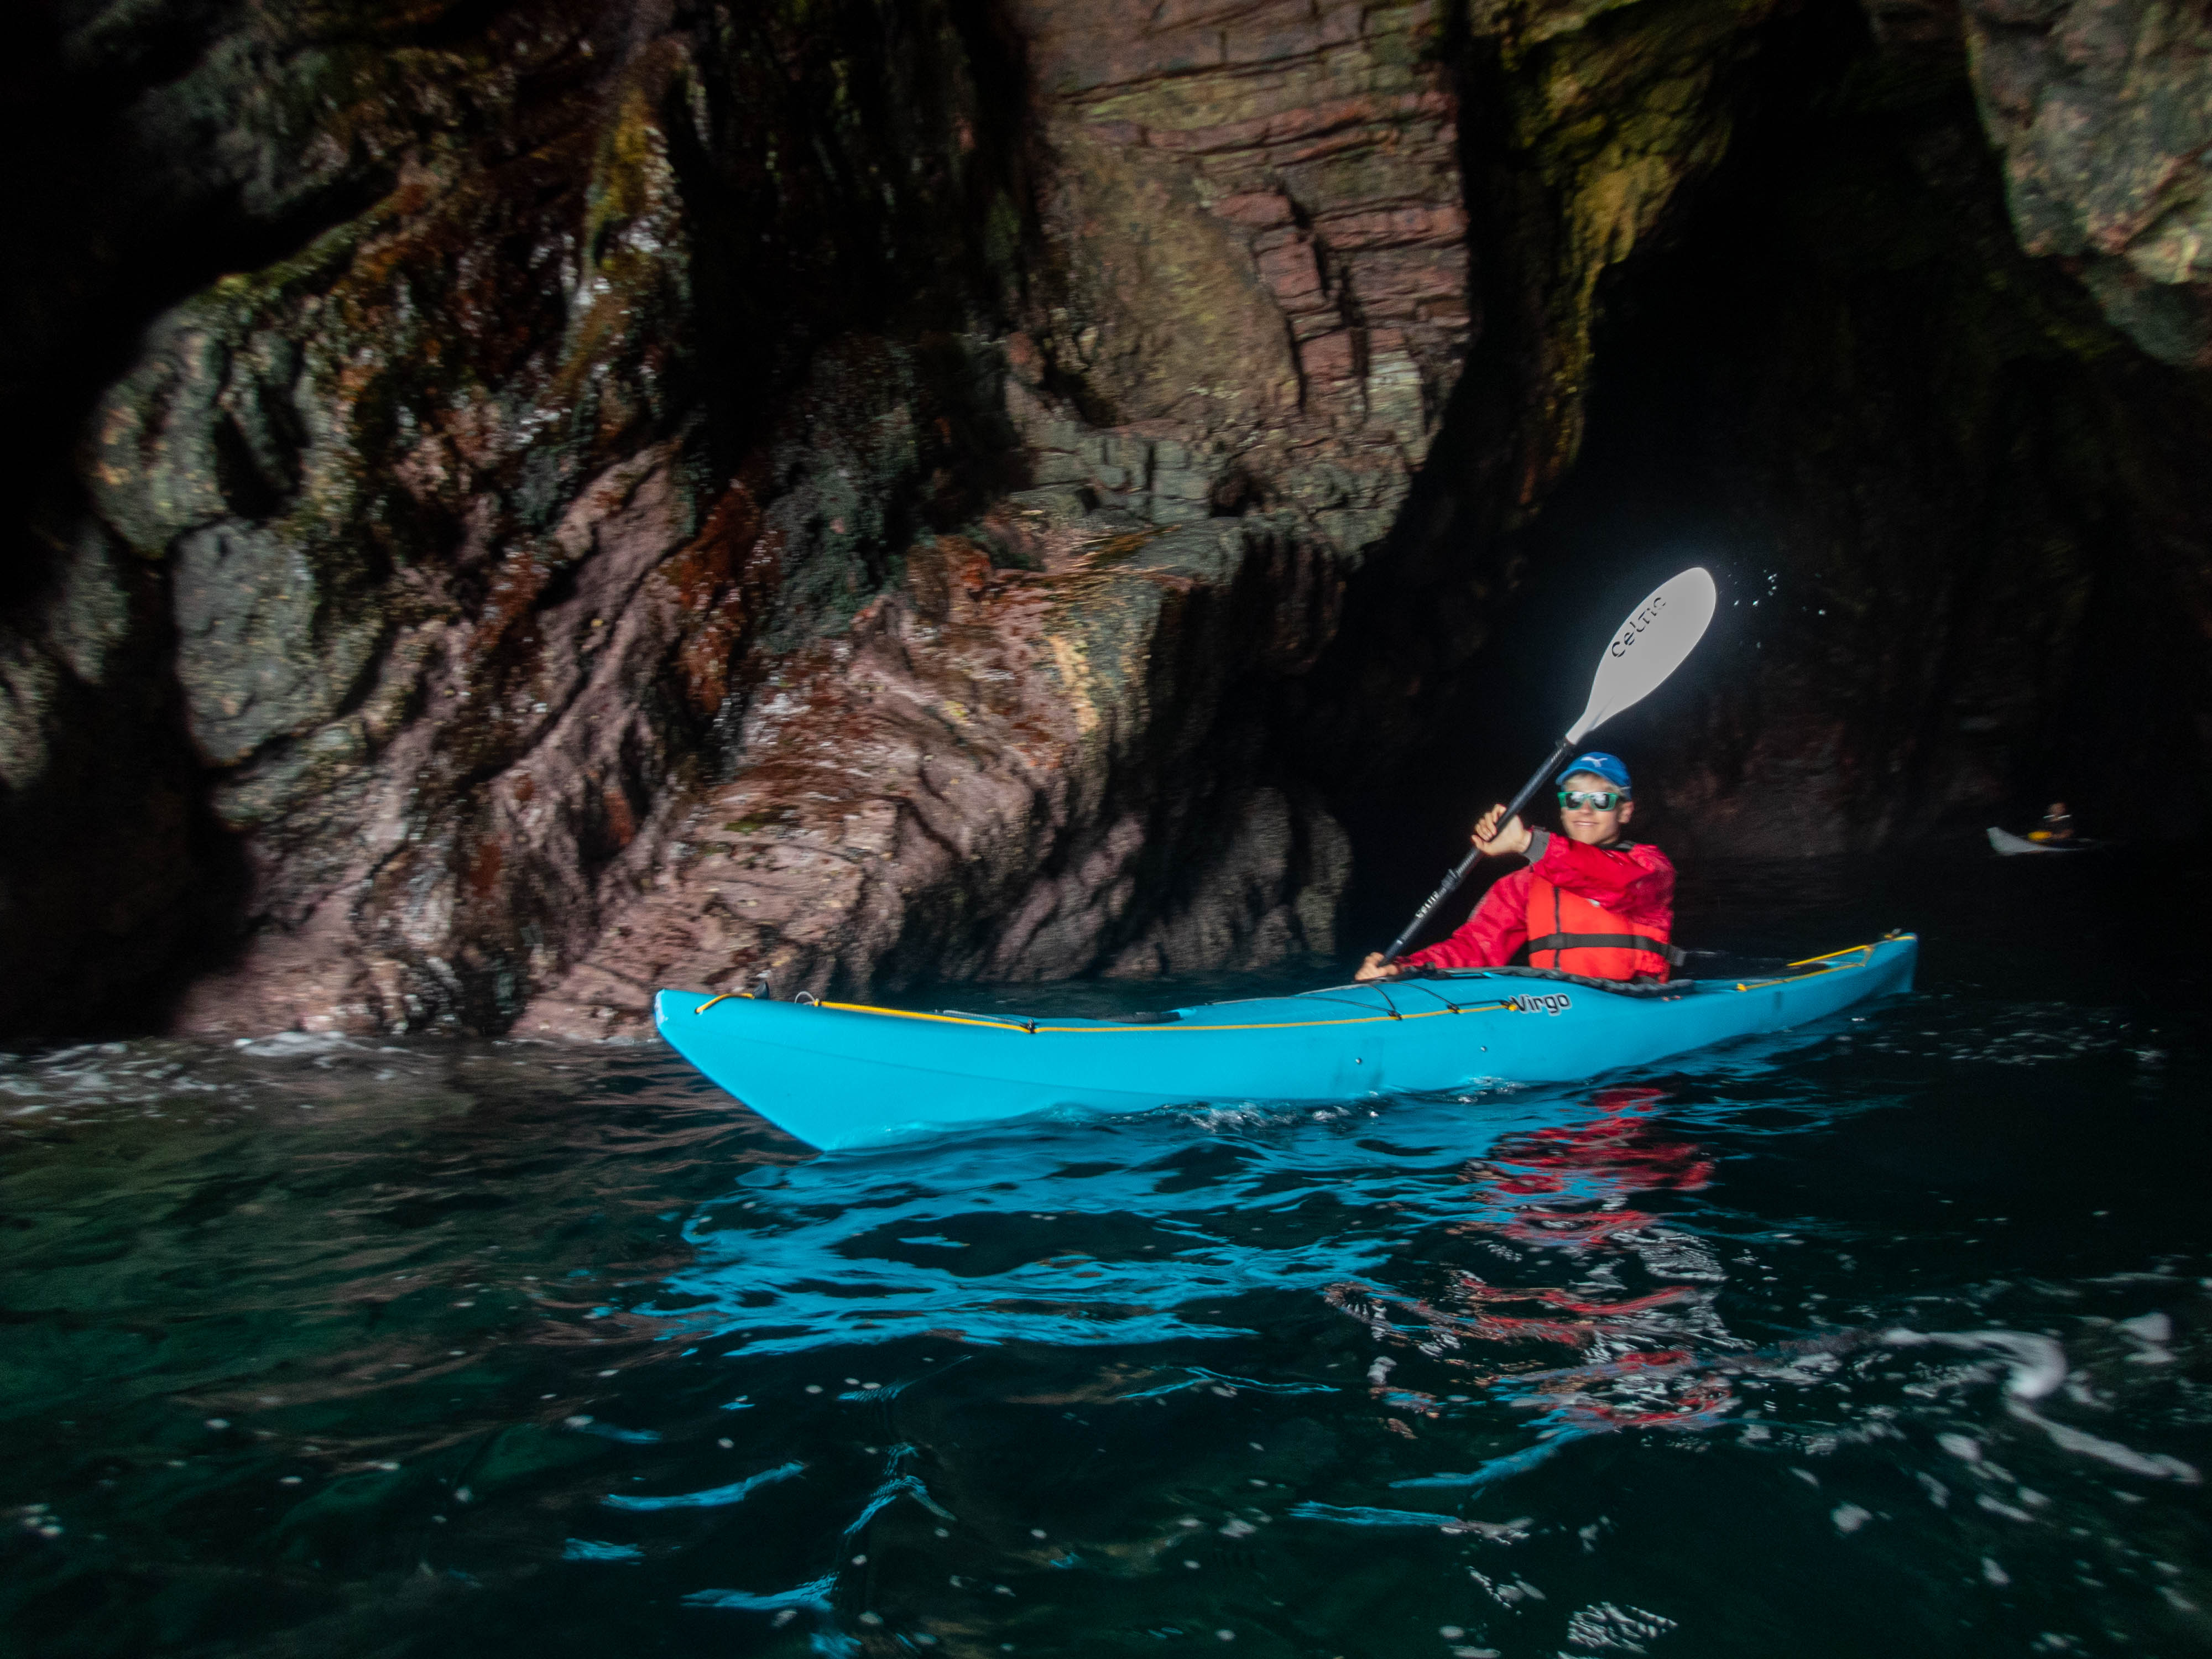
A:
x: 1566, y: 1192
x: 1617, y: 1153
x: 1593, y: 1166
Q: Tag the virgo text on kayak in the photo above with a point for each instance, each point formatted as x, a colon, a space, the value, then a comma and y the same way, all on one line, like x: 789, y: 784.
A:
x: 1550, y: 1003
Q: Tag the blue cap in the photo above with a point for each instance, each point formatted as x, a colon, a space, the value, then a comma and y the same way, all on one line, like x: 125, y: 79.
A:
x: 1611, y: 768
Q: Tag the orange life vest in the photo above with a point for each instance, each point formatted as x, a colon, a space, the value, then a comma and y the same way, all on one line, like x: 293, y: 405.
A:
x: 1575, y: 936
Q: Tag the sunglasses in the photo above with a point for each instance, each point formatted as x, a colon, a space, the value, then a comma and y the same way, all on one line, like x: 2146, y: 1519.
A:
x: 1603, y: 800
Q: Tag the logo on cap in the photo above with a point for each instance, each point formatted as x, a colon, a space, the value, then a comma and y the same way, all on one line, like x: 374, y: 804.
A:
x: 1611, y: 768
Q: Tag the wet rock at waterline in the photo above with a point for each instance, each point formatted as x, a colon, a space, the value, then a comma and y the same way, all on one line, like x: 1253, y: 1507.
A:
x: 531, y: 503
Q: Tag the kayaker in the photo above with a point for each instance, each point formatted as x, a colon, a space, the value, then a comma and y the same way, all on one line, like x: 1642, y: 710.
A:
x: 1589, y: 901
x: 2058, y: 824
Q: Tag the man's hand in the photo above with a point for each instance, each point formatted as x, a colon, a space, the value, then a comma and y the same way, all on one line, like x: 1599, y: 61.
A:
x: 1374, y: 967
x: 1501, y: 840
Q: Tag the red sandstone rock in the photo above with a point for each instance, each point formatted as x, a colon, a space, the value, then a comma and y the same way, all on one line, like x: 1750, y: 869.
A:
x: 661, y: 525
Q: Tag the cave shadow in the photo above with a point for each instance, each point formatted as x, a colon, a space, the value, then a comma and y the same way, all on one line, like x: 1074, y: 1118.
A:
x: 1947, y: 533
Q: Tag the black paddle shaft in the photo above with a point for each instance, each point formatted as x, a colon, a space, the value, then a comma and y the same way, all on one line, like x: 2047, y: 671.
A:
x: 1459, y: 873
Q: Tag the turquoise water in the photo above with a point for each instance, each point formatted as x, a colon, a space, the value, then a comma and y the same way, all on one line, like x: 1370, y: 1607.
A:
x: 1887, y: 1337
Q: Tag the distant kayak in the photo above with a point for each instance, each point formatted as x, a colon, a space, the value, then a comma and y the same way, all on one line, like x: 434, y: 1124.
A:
x: 839, y: 1074
x: 2005, y: 843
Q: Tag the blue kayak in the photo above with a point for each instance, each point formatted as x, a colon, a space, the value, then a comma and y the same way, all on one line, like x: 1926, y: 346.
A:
x: 839, y: 1074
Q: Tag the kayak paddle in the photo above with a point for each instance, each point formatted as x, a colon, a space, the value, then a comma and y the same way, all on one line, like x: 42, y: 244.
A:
x: 1659, y: 634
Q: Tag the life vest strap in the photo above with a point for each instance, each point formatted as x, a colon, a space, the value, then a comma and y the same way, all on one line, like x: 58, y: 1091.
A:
x: 1657, y: 947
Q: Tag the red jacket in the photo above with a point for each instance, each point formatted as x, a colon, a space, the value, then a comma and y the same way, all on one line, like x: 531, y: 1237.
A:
x: 1635, y: 881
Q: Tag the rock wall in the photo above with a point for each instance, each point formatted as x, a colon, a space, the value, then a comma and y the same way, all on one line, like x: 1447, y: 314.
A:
x: 2102, y: 114
x: 609, y: 348
x: 558, y: 572
x: 532, y: 503
x: 1038, y: 755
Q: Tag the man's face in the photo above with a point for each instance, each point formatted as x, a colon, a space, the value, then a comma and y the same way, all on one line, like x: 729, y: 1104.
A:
x: 1588, y: 824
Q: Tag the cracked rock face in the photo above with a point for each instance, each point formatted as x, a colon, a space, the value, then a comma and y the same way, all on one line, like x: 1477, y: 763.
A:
x: 933, y: 793
x: 2102, y: 110
x: 545, y: 502
x: 1260, y: 212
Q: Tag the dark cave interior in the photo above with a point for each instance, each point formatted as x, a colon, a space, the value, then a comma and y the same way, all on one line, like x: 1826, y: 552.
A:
x: 1945, y: 503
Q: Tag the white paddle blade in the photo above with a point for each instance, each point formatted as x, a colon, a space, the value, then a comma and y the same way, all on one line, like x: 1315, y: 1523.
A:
x: 1649, y: 646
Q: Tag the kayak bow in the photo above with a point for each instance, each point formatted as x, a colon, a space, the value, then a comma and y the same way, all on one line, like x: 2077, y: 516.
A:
x: 839, y: 1074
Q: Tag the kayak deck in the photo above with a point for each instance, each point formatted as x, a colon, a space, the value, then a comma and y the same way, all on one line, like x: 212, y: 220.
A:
x: 839, y: 1074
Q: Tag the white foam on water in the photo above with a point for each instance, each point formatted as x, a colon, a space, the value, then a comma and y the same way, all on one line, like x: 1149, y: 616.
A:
x: 295, y: 1045
x: 1623, y: 1630
x: 2150, y: 1332
x: 2157, y: 1464
x: 2037, y: 1364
